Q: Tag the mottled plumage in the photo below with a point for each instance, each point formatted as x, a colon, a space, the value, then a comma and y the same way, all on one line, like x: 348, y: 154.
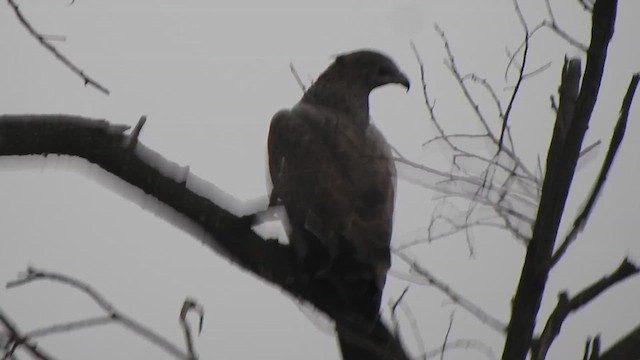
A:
x: 332, y: 169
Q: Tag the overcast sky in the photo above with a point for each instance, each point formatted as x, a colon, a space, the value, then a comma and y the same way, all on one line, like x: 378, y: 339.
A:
x: 209, y: 75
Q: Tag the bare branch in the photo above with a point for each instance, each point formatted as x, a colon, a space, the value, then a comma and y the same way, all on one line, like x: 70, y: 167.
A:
x: 465, y: 344
x: 466, y: 304
x: 43, y: 41
x: 295, y: 74
x: 567, y: 305
x: 70, y: 326
x: 16, y: 339
x: 394, y: 307
x: 553, y: 25
x: 401, y: 304
x: 451, y: 64
x: 187, y: 306
x: 34, y: 274
x: 521, y: 73
x: 227, y: 234
x: 561, y: 163
x: 446, y: 336
x: 614, y: 145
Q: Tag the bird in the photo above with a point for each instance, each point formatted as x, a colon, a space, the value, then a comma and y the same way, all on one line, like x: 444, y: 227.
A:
x: 333, y: 172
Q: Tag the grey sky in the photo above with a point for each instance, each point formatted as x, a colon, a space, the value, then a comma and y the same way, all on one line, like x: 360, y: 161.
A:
x: 209, y: 76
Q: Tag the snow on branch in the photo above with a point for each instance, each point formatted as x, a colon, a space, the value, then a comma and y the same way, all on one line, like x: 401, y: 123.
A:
x: 216, y: 218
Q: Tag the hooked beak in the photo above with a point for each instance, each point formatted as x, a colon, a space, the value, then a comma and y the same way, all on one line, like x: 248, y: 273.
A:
x: 402, y: 79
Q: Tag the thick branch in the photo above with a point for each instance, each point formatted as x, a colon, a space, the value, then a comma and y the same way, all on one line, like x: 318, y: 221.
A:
x: 231, y: 236
x: 561, y: 163
x: 614, y: 145
x: 627, y: 348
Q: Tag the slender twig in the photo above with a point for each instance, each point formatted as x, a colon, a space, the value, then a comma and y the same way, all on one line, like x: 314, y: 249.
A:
x: 394, y: 307
x: 148, y: 334
x: 564, y: 35
x: 187, y: 306
x: 466, y: 304
x: 43, y: 41
x: 295, y: 74
x: 553, y: 25
x: 514, y: 93
x: 400, y: 304
x: 70, y: 326
x: 16, y: 339
x: 415, y: 329
x: 451, y: 64
x: 465, y: 344
x: 446, y: 336
x: 614, y: 145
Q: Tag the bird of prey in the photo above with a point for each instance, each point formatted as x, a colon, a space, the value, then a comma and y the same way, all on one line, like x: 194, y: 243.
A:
x: 332, y: 170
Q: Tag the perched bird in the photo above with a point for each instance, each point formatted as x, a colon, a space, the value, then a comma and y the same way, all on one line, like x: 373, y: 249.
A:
x: 332, y: 170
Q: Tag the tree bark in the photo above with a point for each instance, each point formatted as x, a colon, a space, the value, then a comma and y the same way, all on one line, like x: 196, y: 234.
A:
x: 561, y: 163
x: 231, y: 236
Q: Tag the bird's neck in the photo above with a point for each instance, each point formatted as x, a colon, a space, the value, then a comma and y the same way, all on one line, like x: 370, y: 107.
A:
x: 340, y: 96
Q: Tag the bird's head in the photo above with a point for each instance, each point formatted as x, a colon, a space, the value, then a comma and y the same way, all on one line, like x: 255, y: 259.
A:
x: 369, y: 69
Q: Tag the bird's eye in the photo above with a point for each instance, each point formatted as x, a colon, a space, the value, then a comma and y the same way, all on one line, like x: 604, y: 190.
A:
x: 384, y: 71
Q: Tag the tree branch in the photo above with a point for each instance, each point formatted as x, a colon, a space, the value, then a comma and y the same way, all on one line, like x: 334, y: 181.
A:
x: 568, y: 305
x: 229, y: 235
x: 113, y: 314
x: 16, y: 339
x: 43, y: 41
x: 614, y: 144
x: 561, y: 163
x: 627, y: 348
x: 466, y: 304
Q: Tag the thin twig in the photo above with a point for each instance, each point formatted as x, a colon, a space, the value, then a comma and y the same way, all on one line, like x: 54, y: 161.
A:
x: 187, y: 306
x: 41, y: 39
x: 148, y: 334
x: 446, y: 336
x: 400, y: 304
x: 394, y: 308
x: 466, y: 304
x: 295, y: 74
x: 464, y: 344
x: 514, y: 94
x: 16, y: 339
x: 553, y: 25
x: 70, y: 326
